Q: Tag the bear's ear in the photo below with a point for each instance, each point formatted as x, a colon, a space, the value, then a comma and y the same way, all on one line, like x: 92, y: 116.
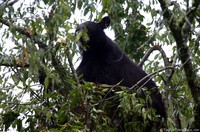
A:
x: 105, y: 22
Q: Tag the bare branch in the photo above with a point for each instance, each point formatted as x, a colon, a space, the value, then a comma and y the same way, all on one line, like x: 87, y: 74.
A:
x: 146, y: 56
x: 155, y: 47
x: 149, y: 75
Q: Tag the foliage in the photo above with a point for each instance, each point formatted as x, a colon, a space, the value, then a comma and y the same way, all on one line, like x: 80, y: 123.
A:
x: 39, y: 88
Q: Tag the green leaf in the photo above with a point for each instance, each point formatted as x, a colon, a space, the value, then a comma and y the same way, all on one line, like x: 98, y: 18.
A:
x: 3, y: 105
x: 9, y: 118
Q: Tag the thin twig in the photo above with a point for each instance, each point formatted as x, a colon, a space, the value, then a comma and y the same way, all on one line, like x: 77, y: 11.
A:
x: 149, y: 75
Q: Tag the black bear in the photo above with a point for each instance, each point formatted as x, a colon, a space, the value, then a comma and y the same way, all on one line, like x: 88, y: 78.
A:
x: 105, y: 63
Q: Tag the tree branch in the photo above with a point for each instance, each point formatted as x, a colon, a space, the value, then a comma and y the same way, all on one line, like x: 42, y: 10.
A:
x: 8, y: 61
x: 164, y: 5
x: 13, y: 65
x: 168, y: 72
x: 146, y: 56
x: 148, y: 76
x: 72, y: 66
x: 155, y: 47
x: 27, y: 33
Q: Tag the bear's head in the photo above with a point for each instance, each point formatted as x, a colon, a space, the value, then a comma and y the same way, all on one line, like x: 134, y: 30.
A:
x: 91, y: 32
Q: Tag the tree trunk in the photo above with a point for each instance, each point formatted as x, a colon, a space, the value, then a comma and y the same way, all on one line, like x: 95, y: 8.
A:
x: 181, y: 30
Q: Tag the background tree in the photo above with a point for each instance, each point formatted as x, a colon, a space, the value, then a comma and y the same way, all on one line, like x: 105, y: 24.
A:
x: 39, y: 87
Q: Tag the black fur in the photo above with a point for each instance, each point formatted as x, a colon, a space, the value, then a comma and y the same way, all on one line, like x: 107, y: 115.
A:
x: 105, y: 63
